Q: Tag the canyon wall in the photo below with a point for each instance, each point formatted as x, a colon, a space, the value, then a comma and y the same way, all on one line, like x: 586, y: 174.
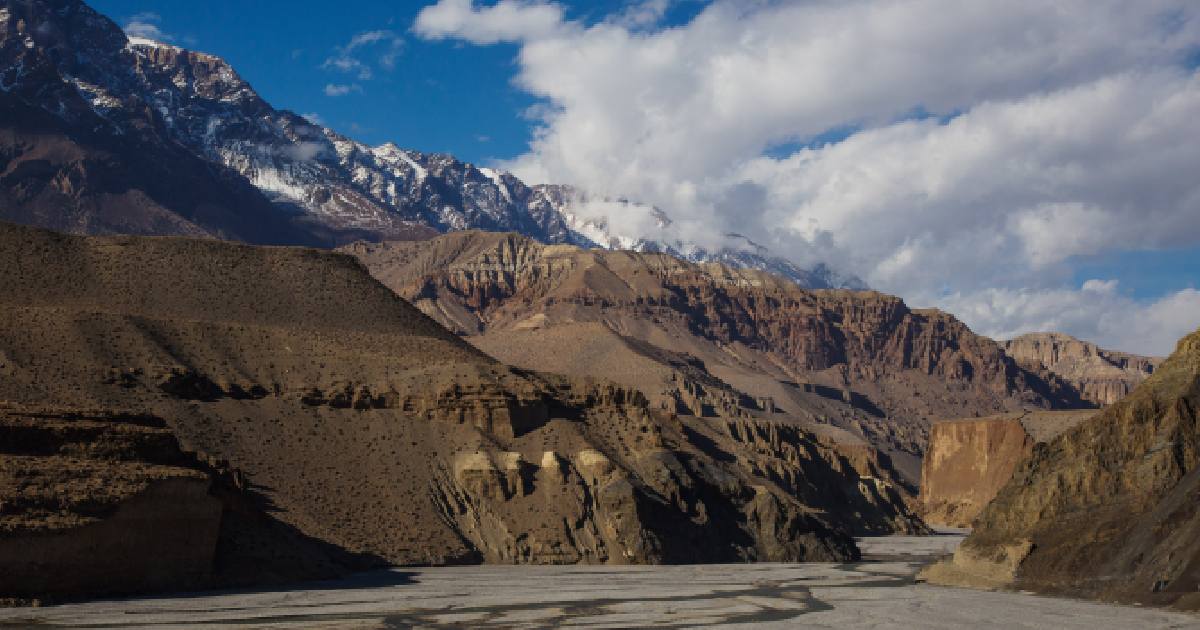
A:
x: 713, y: 341
x: 1106, y: 509
x: 969, y: 460
x: 1101, y: 376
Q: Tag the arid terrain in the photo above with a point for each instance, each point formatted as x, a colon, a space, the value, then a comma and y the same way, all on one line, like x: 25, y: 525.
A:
x: 879, y: 592
x: 710, y: 340
x: 968, y: 460
x: 254, y: 371
x: 272, y: 414
x: 1108, y: 508
x: 1101, y: 376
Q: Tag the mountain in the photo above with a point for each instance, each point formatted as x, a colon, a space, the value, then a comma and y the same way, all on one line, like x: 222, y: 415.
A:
x: 104, y: 134
x: 1108, y: 509
x: 1102, y: 376
x: 80, y: 150
x: 715, y: 341
x: 186, y: 413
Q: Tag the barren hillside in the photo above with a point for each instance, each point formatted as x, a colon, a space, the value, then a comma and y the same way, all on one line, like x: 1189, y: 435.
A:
x: 706, y: 339
x: 281, y: 414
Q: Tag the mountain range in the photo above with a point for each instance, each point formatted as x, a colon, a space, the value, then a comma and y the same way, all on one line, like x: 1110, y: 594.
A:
x: 108, y: 134
x: 438, y: 363
x: 715, y: 341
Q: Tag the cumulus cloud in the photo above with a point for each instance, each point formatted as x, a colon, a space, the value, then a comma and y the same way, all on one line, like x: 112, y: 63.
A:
x: 506, y: 21
x: 946, y: 152
x: 642, y: 14
x: 364, y: 50
x: 146, y: 25
x: 339, y: 89
x: 1096, y: 311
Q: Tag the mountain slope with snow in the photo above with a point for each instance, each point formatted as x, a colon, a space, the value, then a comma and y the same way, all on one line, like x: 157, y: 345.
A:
x: 78, y: 69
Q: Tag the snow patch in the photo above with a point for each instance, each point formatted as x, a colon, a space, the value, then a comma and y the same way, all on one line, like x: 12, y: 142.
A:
x: 494, y: 175
x: 150, y: 43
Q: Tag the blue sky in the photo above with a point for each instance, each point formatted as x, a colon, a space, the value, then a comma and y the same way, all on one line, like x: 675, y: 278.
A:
x: 439, y: 96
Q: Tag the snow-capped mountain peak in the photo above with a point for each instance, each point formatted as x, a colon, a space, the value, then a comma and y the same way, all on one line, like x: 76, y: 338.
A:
x: 138, y: 87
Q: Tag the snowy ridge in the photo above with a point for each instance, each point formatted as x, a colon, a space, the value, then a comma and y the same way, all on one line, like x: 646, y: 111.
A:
x: 350, y: 189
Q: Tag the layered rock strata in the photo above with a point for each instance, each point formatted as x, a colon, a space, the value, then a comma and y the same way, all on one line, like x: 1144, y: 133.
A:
x: 1101, y: 376
x: 322, y: 424
x: 1107, y: 509
x: 712, y: 341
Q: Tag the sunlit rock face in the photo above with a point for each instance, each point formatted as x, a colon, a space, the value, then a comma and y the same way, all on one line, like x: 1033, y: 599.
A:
x: 969, y: 460
x: 1106, y: 509
x: 1101, y: 376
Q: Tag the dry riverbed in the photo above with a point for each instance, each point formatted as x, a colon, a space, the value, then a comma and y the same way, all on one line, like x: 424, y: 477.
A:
x: 877, y: 593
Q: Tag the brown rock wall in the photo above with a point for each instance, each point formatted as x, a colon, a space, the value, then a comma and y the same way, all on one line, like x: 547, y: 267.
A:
x: 1108, y: 508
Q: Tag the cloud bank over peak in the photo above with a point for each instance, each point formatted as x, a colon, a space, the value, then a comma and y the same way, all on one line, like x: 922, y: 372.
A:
x: 961, y: 155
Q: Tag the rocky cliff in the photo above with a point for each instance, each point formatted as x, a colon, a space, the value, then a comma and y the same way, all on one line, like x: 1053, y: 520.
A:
x: 1101, y: 376
x: 322, y: 424
x: 711, y: 340
x: 1106, y: 509
x: 969, y: 460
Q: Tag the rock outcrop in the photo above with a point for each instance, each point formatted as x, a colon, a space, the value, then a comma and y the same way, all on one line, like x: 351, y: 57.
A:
x: 969, y: 460
x: 1107, y: 509
x: 1101, y: 376
x: 710, y: 340
x: 322, y: 424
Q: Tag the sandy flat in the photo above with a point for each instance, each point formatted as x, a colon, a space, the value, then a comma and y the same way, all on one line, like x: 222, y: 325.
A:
x: 877, y: 593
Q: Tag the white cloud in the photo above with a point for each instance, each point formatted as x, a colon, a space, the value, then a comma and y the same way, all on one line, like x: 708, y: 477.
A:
x: 986, y: 144
x: 506, y: 21
x: 338, y: 89
x: 302, y: 151
x: 1097, y: 312
x: 353, y: 58
x: 642, y: 14
x: 146, y: 25
x: 314, y: 118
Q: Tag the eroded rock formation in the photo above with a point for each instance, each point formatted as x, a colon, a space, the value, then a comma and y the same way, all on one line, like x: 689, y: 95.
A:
x: 1107, y: 509
x: 1101, y: 376
x: 712, y: 341
x: 322, y: 424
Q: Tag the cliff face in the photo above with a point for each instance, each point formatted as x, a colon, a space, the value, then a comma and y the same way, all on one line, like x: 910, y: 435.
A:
x: 1106, y: 509
x: 862, y: 361
x: 332, y: 427
x: 1101, y: 376
x: 114, y: 490
x: 969, y: 460
x: 966, y: 463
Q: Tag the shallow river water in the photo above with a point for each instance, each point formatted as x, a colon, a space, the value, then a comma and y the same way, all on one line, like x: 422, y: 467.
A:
x: 877, y: 593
